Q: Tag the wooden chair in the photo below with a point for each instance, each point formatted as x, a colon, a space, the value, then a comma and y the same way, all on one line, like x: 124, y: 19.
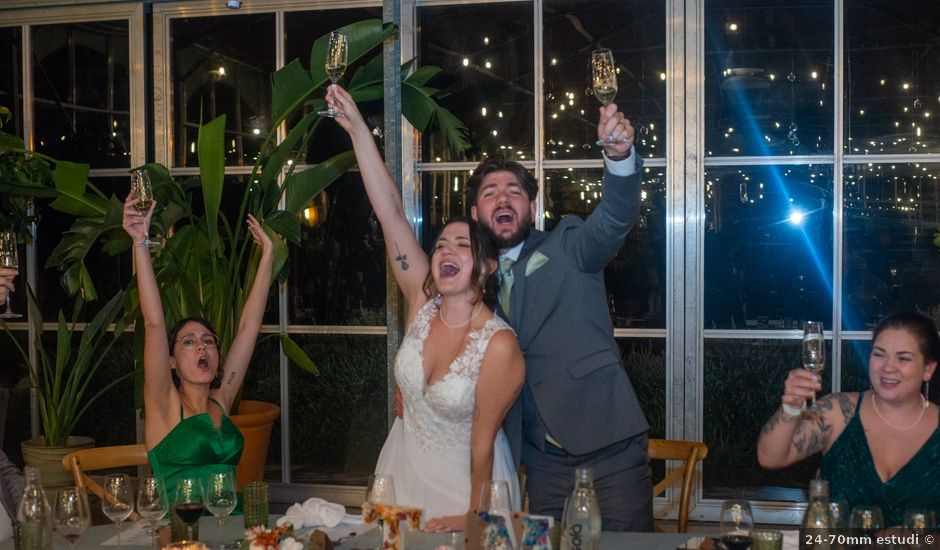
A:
x: 690, y: 452
x: 103, y: 458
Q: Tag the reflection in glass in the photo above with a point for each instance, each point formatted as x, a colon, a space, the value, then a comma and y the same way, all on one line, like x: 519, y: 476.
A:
x: 768, y: 246
x: 81, y: 86
x: 222, y: 65
x: 768, y: 78
x: 11, y: 77
x: 743, y: 380
x: 636, y: 32
x: 891, y: 91
x: 645, y: 362
x: 890, y: 246
x: 487, y: 50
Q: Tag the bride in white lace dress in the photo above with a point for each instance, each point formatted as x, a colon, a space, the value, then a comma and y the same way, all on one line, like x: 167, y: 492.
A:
x: 459, y: 367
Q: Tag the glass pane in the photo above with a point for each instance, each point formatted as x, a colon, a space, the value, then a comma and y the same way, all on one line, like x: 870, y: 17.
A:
x: 338, y: 419
x: 112, y: 419
x: 222, y: 65
x: 337, y: 274
x: 11, y: 77
x: 768, y: 78
x: 636, y: 277
x: 82, y: 98
x: 263, y: 383
x: 16, y: 413
x: 891, y: 93
x: 768, y: 246
x: 444, y: 197
x: 636, y: 32
x: 743, y: 380
x: 892, y: 216
x: 486, y: 51
x: 855, y: 365
x: 645, y: 361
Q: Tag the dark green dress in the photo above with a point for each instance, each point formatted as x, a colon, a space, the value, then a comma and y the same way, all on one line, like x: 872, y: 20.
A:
x: 194, y: 448
x: 850, y: 471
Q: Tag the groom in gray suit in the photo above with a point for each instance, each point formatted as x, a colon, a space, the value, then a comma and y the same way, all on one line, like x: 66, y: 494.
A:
x: 577, y: 407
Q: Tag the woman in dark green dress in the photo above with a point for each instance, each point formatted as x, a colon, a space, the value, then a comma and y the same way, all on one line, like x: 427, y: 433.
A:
x: 880, y: 447
x: 187, y: 398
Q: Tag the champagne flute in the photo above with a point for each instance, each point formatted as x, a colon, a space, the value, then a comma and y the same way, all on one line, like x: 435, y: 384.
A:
x: 814, y: 355
x: 604, y: 82
x: 381, y: 490
x: 221, y: 497
x: 335, y: 65
x: 189, y: 503
x: 142, y: 188
x: 117, y: 501
x: 494, y: 498
x: 735, y: 524
x: 9, y: 258
x: 71, y: 514
x: 152, y: 503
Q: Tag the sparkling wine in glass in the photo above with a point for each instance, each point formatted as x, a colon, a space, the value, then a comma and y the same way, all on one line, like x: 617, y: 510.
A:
x: 9, y: 258
x: 335, y: 65
x: 189, y: 503
x: 117, y: 502
x: 814, y: 355
x: 152, y: 503
x: 604, y: 83
x: 142, y: 189
x: 221, y: 497
x: 735, y: 524
x: 71, y: 514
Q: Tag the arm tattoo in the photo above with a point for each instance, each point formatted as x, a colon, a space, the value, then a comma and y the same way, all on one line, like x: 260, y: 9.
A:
x: 231, y: 378
x: 401, y: 258
x: 846, y: 406
x: 813, y: 433
x: 777, y: 418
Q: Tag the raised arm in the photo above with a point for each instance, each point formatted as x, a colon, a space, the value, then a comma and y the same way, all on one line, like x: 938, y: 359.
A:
x: 409, y: 262
x: 157, y: 380
x: 249, y: 324
x: 786, y: 439
x: 500, y: 381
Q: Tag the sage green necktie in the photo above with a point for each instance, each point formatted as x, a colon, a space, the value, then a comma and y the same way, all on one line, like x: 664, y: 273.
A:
x: 505, y: 282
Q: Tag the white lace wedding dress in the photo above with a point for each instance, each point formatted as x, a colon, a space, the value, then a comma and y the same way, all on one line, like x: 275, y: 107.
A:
x: 428, y: 452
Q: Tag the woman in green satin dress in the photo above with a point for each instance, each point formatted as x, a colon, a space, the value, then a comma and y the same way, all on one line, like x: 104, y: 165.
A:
x: 187, y: 389
x: 880, y: 447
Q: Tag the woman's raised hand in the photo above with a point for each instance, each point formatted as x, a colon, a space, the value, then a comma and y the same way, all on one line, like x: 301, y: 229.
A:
x: 135, y: 222
x: 259, y: 235
x: 800, y: 386
x: 349, y: 116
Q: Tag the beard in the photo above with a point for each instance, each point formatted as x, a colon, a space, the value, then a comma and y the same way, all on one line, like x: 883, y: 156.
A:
x: 505, y: 242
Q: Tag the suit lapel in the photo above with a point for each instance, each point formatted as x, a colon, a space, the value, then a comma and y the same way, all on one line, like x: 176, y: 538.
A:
x: 517, y: 296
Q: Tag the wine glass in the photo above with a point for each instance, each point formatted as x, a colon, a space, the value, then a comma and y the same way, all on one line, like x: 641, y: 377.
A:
x: 814, y: 355
x: 189, y: 502
x: 142, y: 189
x: 335, y: 65
x: 866, y: 520
x: 735, y: 524
x: 71, y: 514
x: 152, y: 503
x: 117, y: 502
x: 920, y: 519
x: 604, y: 82
x: 221, y: 497
x: 381, y: 489
x: 9, y: 258
x: 494, y: 498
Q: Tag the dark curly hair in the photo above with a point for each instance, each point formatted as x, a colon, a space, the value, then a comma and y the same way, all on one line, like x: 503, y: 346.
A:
x: 501, y: 164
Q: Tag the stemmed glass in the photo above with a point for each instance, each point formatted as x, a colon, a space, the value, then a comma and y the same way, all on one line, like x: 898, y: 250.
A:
x: 189, y: 502
x: 604, y: 82
x: 735, y: 524
x: 381, y: 490
x: 142, y: 189
x: 152, y: 503
x: 814, y: 355
x: 494, y: 498
x: 221, y: 497
x: 920, y: 519
x: 117, y: 502
x: 71, y: 514
x: 9, y: 258
x: 335, y: 65
x: 866, y: 520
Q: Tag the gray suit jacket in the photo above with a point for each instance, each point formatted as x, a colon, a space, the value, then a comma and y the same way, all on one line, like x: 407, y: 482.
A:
x: 11, y: 486
x: 576, y: 387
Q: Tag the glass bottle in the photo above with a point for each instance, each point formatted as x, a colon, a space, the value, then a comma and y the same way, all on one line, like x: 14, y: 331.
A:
x: 34, y: 516
x: 581, y: 523
x: 818, y: 519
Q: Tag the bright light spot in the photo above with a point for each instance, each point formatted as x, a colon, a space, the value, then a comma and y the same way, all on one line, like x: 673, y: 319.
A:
x: 735, y: 150
x: 814, y: 75
x: 466, y: 62
x: 192, y: 147
x: 256, y: 131
x: 483, y: 111
x: 777, y: 124
x: 796, y: 217
x: 290, y: 162
x: 730, y: 130
x: 643, y: 195
x: 773, y: 77
x: 927, y: 114
x: 495, y: 133
x: 733, y: 27
x: 882, y: 82
x: 662, y: 76
x: 861, y: 111
x: 221, y: 71
x: 561, y: 107
x: 488, y: 65
x: 906, y: 86
x: 486, y: 40
x: 499, y: 114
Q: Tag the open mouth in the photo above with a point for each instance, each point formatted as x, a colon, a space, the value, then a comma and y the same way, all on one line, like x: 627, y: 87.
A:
x: 890, y: 382
x: 504, y: 217
x: 203, y: 362
x: 449, y: 269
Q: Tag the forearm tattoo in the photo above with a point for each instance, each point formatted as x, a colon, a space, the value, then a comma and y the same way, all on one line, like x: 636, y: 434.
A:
x: 813, y: 432
x: 231, y: 378
x: 401, y: 258
x: 777, y: 418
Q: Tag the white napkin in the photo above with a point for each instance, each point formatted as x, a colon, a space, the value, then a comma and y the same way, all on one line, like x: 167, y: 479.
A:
x: 314, y: 513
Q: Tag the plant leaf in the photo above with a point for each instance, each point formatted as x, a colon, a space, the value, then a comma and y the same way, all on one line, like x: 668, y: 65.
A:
x: 71, y: 179
x: 296, y: 354
x: 212, y: 172
x: 303, y: 186
x: 289, y: 86
x: 279, y: 156
x: 363, y: 37
x: 285, y: 224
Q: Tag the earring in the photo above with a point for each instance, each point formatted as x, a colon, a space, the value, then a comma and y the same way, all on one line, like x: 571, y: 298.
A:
x: 925, y: 392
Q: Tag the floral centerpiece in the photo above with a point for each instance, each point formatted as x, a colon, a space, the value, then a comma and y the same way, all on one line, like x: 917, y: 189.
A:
x: 281, y: 537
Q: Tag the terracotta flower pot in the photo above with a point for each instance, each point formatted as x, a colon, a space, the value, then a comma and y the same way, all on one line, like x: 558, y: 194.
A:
x: 48, y: 460
x: 255, y: 420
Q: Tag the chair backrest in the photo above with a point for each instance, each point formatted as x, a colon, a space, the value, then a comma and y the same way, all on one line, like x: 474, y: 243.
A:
x: 103, y: 458
x: 690, y: 452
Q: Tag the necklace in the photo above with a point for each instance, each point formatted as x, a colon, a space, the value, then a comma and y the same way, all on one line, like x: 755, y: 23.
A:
x: 476, y: 311
x: 874, y: 403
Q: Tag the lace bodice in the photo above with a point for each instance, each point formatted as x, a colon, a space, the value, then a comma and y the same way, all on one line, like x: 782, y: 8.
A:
x: 440, y: 415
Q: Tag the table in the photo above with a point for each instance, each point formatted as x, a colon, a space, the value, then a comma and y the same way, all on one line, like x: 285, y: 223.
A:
x: 609, y: 541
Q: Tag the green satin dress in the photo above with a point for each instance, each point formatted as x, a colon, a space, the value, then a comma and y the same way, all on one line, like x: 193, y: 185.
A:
x: 850, y: 470
x: 194, y: 448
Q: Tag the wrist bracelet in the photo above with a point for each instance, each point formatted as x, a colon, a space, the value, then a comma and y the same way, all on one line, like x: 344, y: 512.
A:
x: 790, y: 411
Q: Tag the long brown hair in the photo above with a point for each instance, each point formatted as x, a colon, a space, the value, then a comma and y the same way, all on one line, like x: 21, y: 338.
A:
x: 483, y: 250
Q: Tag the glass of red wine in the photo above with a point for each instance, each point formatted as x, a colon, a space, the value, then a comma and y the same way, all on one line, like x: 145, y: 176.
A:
x: 735, y: 525
x: 189, y: 503
x: 71, y: 514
